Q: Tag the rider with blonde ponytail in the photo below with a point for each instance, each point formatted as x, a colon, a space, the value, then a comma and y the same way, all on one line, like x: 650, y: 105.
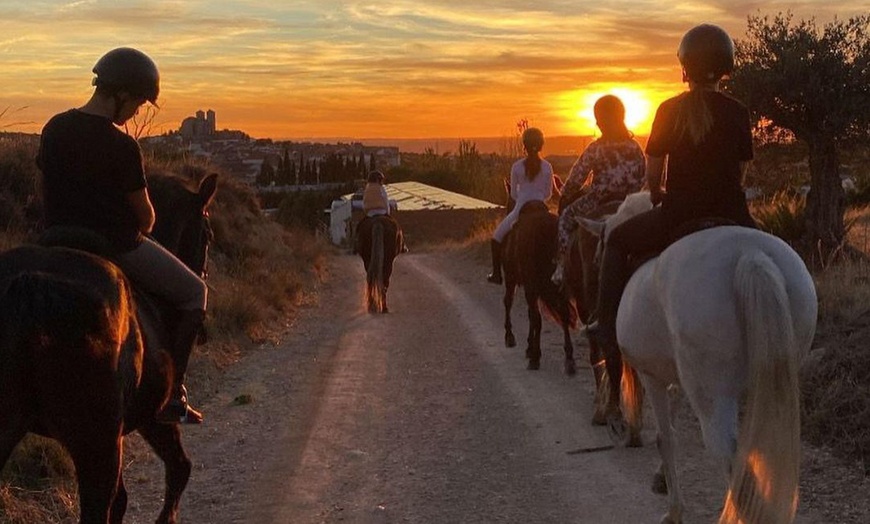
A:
x: 531, y: 180
x: 699, y: 146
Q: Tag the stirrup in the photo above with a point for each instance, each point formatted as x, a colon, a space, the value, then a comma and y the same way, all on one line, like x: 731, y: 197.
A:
x: 179, y: 412
x: 494, y: 278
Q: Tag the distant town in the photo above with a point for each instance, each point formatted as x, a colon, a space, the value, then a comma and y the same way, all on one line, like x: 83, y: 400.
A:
x: 285, y: 164
x: 270, y: 163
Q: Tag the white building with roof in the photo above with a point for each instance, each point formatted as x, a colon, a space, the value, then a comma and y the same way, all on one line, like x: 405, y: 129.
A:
x: 412, y: 201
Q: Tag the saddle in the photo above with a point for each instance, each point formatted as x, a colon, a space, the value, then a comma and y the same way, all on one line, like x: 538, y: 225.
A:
x: 147, y: 305
x: 535, y: 206
x: 683, y: 230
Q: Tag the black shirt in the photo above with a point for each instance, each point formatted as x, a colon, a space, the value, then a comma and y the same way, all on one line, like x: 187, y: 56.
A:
x: 89, y: 167
x: 703, y: 179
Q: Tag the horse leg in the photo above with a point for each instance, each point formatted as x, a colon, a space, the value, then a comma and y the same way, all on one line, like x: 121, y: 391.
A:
x: 165, y: 440
x: 596, y: 362
x: 658, y: 394
x: 12, y: 431
x: 613, y: 367
x: 533, y: 351
x: 119, y: 505
x: 719, y: 428
x: 509, y: 290
x: 97, y: 459
x: 570, y: 365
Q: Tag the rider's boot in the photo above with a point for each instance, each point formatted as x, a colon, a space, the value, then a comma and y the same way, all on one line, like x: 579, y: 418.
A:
x: 495, y: 249
x: 612, y: 280
x: 187, y: 331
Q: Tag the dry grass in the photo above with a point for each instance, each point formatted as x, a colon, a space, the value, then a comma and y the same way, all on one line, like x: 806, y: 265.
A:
x: 835, y: 381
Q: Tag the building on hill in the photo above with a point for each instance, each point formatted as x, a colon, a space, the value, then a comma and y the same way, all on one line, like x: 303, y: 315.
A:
x: 427, y: 214
x: 199, y: 126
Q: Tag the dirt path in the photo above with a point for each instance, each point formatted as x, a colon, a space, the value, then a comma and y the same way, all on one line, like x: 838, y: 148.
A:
x: 417, y: 416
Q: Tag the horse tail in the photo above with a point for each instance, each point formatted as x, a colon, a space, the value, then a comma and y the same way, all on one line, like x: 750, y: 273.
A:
x: 555, y: 304
x: 375, y: 275
x: 16, y: 323
x: 764, y: 478
x: 632, y: 397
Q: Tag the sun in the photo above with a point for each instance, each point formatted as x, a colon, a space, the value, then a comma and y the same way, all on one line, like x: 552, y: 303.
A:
x: 639, y: 109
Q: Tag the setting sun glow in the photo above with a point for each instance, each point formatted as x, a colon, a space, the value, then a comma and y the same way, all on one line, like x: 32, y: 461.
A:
x: 639, y: 109
x: 387, y: 69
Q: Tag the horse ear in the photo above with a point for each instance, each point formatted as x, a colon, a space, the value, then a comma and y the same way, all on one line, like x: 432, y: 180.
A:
x: 207, y: 189
x: 596, y: 227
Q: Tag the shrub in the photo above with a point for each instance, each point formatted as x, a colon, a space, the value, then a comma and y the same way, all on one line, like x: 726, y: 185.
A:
x: 782, y: 215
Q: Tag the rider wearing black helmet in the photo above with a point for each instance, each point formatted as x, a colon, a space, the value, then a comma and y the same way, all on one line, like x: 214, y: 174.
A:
x: 700, y: 145
x: 93, y: 177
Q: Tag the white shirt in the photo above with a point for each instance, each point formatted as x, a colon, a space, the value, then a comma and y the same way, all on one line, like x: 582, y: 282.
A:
x: 524, y: 190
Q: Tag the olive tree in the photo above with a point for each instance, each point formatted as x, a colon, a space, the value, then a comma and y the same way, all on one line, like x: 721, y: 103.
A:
x: 814, y: 82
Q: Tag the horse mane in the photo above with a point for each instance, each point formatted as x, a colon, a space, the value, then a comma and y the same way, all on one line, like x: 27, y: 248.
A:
x: 633, y: 205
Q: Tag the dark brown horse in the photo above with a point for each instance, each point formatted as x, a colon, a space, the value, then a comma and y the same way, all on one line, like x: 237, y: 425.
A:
x: 528, y: 257
x: 581, y: 284
x: 80, y: 364
x: 380, y: 240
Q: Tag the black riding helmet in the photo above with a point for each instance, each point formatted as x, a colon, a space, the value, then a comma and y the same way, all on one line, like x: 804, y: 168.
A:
x: 706, y: 53
x: 130, y: 70
x: 376, y: 176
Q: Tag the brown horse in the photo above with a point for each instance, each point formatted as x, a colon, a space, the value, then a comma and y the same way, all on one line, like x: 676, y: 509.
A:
x: 581, y: 284
x: 528, y: 254
x: 80, y: 364
x: 380, y: 240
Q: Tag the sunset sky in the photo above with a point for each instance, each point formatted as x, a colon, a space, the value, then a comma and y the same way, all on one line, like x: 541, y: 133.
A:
x: 365, y: 69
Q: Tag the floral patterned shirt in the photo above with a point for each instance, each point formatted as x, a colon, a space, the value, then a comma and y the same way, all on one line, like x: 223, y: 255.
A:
x: 607, y: 166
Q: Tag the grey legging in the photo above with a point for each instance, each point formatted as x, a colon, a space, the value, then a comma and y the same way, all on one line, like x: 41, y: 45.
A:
x: 158, y: 272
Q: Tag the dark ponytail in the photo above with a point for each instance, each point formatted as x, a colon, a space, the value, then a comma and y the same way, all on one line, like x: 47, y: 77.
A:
x: 533, y: 141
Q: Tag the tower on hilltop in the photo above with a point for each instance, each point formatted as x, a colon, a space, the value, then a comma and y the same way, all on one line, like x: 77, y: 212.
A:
x: 200, y: 126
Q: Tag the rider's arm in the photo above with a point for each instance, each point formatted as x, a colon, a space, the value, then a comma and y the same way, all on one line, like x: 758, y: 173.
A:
x: 579, y: 173
x: 655, y: 169
x: 140, y: 203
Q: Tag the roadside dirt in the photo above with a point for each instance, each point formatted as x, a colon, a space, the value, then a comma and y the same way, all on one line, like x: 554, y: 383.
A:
x: 423, y: 416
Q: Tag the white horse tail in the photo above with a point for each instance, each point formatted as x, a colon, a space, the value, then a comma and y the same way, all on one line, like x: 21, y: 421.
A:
x: 764, y: 477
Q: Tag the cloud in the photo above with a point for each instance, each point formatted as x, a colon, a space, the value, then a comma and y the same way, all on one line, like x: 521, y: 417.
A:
x: 335, y: 64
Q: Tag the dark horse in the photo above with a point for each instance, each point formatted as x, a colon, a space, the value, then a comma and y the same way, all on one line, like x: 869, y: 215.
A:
x: 80, y: 363
x: 528, y: 254
x: 380, y: 239
x: 581, y: 284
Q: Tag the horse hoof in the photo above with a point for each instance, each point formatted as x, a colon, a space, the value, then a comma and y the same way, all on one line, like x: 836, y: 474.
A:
x: 617, y: 428
x: 534, y: 364
x: 599, y: 418
x: 570, y: 367
x: 510, y: 341
x: 667, y: 519
x: 659, y: 484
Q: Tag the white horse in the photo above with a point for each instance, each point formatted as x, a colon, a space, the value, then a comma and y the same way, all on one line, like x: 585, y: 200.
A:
x: 727, y: 313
